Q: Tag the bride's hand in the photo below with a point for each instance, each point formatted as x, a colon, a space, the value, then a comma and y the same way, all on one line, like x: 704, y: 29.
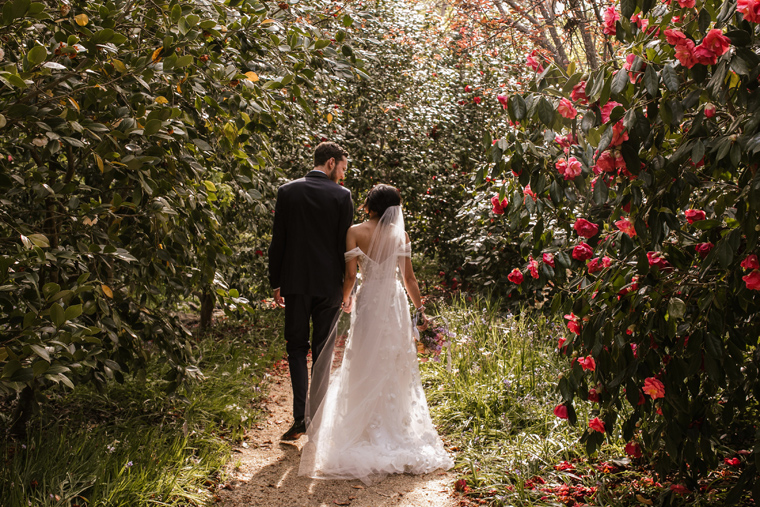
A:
x: 347, y: 304
x: 424, y: 322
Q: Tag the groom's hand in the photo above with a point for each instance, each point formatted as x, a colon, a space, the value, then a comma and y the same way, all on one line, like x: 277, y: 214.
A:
x: 278, y: 300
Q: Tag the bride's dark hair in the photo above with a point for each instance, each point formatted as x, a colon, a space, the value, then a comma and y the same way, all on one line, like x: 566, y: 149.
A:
x: 381, y: 197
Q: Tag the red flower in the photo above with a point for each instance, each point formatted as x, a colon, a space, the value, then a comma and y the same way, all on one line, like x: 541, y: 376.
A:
x: 549, y: 259
x: 752, y: 280
x: 594, y: 266
x: 703, y: 249
x: 607, y: 110
x: 593, y: 396
x: 694, y: 215
x: 657, y: 260
x: 585, y: 229
x: 515, y: 276
x: 633, y: 450
x: 587, y: 363
x: 579, y: 92
x: 468, y: 88
x: 685, y: 53
x: 750, y: 9
x: 606, y: 261
x: 674, y: 36
x: 533, y: 267
x: 734, y: 462
x: 626, y: 226
x: 582, y: 252
x: 533, y: 63
x: 503, y: 99
x: 610, y: 16
x: 642, y: 23
x: 751, y: 262
x: 709, y: 110
x: 476, y: 100
x: 570, y: 168
x: 705, y: 56
x: 596, y: 424
x: 259, y: 253
x: 461, y: 485
x: 632, y: 76
x: 619, y: 134
x: 716, y: 42
x: 528, y: 191
x: 654, y: 388
x: 573, y: 323
x: 498, y: 206
x: 681, y: 490
x: 687, y: 4
x: 566, y: 109
x: 561, y: 411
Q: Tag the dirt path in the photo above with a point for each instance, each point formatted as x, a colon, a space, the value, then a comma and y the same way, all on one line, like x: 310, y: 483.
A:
x: 265, y: 473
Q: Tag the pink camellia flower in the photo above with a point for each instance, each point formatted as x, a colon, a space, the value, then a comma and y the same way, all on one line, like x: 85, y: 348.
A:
x: 596, y: 424
x: 750, y: 262
x: 619, y: 134
x: 503, y: 99
x: 579, y: 92
x: 515, y: 276
x: 734, y: 462
x: 633, y: 450
x: 632, y: 76
x: 685, y: 53
x: 468, y: 88
x: 610, y: 17
x: 703, y: 249
x: 678, y: 488
x: 560, y: 411
x: 566, y: 141
x: 533, y: 63
x: 716, y: 42
x: 573, y: 323
x: 674, y: 36
x: 582, y: 252
x: 687, y: 4
x: 593, y: 396
x: 585, y: 229
x: 549, y: 259
x: 607, y: 110
x: 606, y: 261
x: 561, y: 165
x: 573, y: 169
x: 709, y: 109
x: 594, y: 266
x: 605, y: 163
x: 566, y: 109
x: 750, y: 9
x: 561, y: 342
x: 705, y: 56
x: 654, y: 388
x: 752, y: 280
x: 657, y: 260
x: 642, y: 23
x: 587, y: 363
x: 498, y: 206
x: 476, y: 100
x: 533, y: 267
x: 527, y: 191
x: 694, y: 215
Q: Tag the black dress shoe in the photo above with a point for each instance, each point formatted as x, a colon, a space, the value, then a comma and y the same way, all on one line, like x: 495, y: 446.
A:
x: 295, y: 431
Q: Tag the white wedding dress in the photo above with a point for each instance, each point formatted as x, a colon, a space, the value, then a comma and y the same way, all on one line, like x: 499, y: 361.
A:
x: 373, y: 419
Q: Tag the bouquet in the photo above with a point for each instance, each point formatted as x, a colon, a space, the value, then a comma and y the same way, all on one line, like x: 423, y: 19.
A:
x: 432, y: 340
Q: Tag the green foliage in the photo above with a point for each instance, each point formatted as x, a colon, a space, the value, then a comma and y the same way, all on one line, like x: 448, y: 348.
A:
x: 135, y: 445
x: 130, y: 133
x: 662, y: 309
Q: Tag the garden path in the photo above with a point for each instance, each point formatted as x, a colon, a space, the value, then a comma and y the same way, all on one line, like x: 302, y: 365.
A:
x: 264, y: 472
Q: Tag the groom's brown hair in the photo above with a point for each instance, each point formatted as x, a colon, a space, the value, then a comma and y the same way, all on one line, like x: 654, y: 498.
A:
x: 327, y: 150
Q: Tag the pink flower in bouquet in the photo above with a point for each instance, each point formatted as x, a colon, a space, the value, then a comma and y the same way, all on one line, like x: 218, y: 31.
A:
x: 750, y: 9
x: 515, y: 276
x: 566, y: 109
x: 596, y: 424
x: 694, y: 215
x: 560, y: 411
x: 752, y: 280
x: 751, y: 262
x: 533, y: 267
x: 498, y: 206
x: 579, y: 92
x: 585, y: 229
x: 582, y: 252
x: 703, y: 249
x: 549, y: 259
x: 633, y: 450
x: 610, y: 17
x: 607, y: 110
x: 654, y: 388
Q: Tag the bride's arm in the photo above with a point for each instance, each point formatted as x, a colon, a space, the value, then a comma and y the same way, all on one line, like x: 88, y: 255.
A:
x: 413, y: 288
x: 349, y: 278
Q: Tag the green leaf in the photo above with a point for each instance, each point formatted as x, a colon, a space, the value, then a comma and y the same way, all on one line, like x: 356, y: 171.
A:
x: 20, y: 8
x: 50, y: 288
x: 627, y: 8
x: 57, y: 315
x: 40, y: 351
x: 619, y: 82
x: 676, y: 308
x: 183, y: 61
x: 588, y: 121
x: 601, y: 192
x: 520, y: 108
x: 670, y: 78
x: 704, y: 20
x: 546, y: 112
x: 651, y: 81
x: 152, y: 126
x: 36, y: 55
x: 73, y: 311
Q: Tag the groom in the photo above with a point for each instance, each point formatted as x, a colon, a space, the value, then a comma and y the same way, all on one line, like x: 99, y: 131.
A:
x: 311, y: 218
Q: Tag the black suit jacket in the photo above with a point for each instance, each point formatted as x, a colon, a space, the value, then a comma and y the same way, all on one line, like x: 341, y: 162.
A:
x: 311, y: 218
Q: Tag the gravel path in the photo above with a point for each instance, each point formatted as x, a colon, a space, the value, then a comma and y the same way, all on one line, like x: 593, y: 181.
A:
x: 264, y: 472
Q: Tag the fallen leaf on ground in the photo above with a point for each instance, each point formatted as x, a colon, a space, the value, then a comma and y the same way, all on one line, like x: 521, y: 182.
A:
x: 358, y: 487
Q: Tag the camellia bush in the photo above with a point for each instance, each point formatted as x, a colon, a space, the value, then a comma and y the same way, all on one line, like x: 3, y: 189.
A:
x: 129, y: 132
x: 642, y: 219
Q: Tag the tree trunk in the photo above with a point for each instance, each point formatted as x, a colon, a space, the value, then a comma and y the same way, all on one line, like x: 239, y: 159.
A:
x: 549, y: 17
x: 588, y: 42
x: 22, y: 413
x: 537, y: 32
x: 208, y: 300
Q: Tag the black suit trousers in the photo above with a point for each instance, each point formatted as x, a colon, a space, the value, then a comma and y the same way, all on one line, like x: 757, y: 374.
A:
x: 299, y: 310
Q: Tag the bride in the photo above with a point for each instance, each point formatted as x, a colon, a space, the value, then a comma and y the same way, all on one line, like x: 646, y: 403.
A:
x: 370, y: 418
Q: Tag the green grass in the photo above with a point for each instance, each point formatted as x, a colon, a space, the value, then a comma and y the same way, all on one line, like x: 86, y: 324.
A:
x: 135, y: 445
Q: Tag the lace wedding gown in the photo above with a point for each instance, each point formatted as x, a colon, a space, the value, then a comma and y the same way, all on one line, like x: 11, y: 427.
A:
x: 373, y: 419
